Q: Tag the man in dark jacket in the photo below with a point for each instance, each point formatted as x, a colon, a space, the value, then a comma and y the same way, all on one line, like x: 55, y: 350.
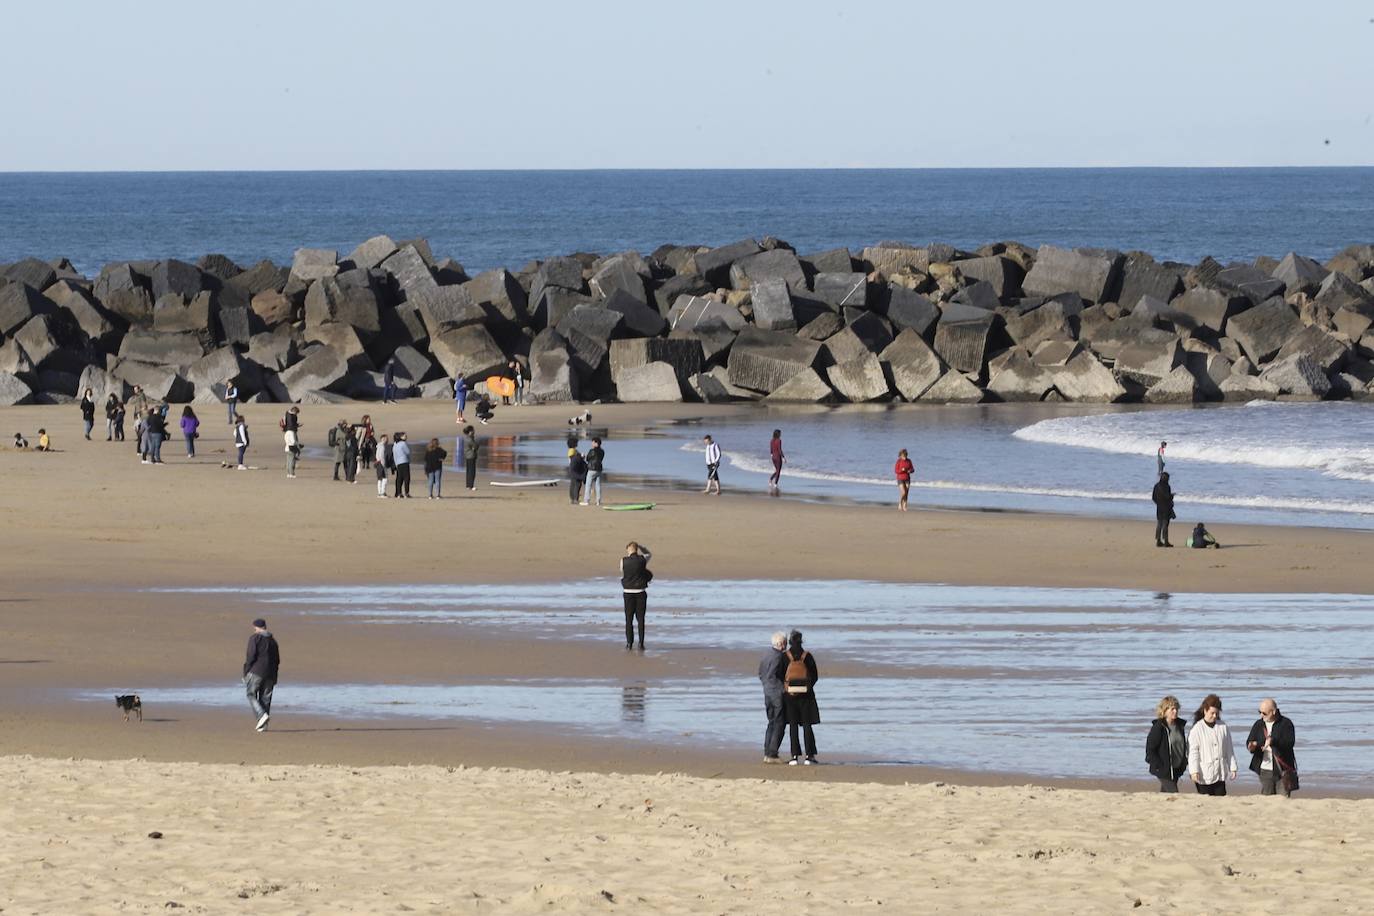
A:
x: 389, y: 381
x: 635, y: 577
x: 1270, y: 744
x: 1163, y: 498
x: 260, y: 671
x: 772, y: 699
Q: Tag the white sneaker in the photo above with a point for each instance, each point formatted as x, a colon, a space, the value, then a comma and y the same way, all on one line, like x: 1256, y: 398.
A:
x: 793, y: 762
x: 809, y: 762
x: 243, y: 467
x: 262, y: 723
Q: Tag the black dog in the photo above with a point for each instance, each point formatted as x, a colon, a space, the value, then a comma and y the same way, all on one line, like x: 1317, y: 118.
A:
x: 130, y: 703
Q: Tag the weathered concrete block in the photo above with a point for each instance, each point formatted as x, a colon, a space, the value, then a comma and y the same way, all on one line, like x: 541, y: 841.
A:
x: 772, y: 305
x: 172, y: 313
x: 214, y: 367
x: 1149, y: 359
x: 103, y: 328
x: 1298, y: 376
x: 349, y: 298
x: 871, y: 328
x: 822, y: 327
x: 1083, y: 378
x: 688, y: 313
x: 805, y: 387
x: 683, y: 354
x: 262, y: 277
x: 446, y: 308
x: 1338, y: 291
x: 1142, y: 276
x: 834, y: 261
x: 125, y: 293
x: 411, y: 273
x: 159, y: 383
x: 345, y: 341
x: 1002, y: 274
x: 1019, y: 379
x: 18, y: 303
x: 14, y: 390
x: 842, y: 346
x: 173, y: 276
x: 714, y: 339
x: 1048, y: 322
x: 322, y: 368
x: 414, y: 366
x: 778, y: 264
x: 31, y: 271
x: 1325, y: 349
x: 978, y: 295
x: 1263, y: 330
x: 372, y: 252
x: 1240, y: 387
x: 637, y: 319
x: 1299, y: 274
x: 553, y: 304
x: 859, y: 380
x: 1180, y: 386
x: 952, y: 388
x: 161, y: 349
x: 841, y: 290
x: 907, y: 309
x: 313, y: 264
x: 763, y: 360
x: 670, y: 290
x: 103, y: 383
x: 219, y: 266
x: 914, y: 366
x: 1254, y: 284
x: 588, y: 330
x: 1353, y: 324
x: 961, y: 338
x: 650, y: 382
x: 274, y: 351
x: 1095, y: 277
x: 714, y: 265
x: 272, y: 308
x: 892, y: 259
x: 235, y: 325
x: 14, y: 360
x: 1052, y: 353
x: 552, y: 378
x: 619, y: 273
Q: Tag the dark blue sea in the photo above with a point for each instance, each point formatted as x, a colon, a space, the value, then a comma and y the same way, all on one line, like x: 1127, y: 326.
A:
x: 489, y: 219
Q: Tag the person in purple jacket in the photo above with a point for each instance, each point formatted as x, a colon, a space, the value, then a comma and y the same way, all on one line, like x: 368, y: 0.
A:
x: 189, y: 424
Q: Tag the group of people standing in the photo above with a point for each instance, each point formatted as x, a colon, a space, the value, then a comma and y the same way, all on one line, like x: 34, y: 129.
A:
x: 586, y: 471
x: 357, y: 447
x: 1205, y: 752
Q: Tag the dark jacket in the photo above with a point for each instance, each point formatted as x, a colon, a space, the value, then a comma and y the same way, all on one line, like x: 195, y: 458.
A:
x: 264, y: 658
x: 87, y: 409
x: 470, y: 448
x: 801, y: 708
x: 577, y: 467
x: 1157, y: 751
x: 157, y: 424
x: 293, y: 422
x: 434, y: 459
x: 768, y: 674
x: 635, y: 573
x: 596, y: 455
x: 1164, y: 500
x: 1283, y: 738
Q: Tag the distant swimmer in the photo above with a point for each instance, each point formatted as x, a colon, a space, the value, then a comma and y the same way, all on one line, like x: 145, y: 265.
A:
x: 1202, y: 538
x: 903, y: 469
x: 1163, y: 497
x: 1159, y: 459
x: 775, y: 452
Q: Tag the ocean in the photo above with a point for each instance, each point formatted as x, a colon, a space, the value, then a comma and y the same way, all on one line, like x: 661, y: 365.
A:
x: 504, y: 219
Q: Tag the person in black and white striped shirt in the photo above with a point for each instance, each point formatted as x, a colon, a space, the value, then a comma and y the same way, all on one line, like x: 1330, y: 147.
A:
x: 712, y: 465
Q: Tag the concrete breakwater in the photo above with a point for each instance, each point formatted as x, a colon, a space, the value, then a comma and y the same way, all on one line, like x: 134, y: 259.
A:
x: 745, y: 321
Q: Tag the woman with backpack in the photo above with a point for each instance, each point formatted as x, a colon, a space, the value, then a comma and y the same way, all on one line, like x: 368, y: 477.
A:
x: 797, y: 671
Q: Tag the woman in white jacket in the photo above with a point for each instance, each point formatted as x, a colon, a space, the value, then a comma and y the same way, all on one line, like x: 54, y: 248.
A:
x: 1210, y: 755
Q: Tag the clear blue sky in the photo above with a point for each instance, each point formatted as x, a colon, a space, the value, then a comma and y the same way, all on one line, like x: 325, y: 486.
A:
x: 700, y: 84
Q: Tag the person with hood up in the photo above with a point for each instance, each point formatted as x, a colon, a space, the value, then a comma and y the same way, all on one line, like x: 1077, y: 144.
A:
x: 1210, y: 754
x: 1163, y: 497
x: 1166, y: 748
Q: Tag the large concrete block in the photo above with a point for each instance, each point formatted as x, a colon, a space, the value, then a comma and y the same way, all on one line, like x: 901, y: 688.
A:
x: 843, y: 346
x: 763, y: 360
x: 553, y: 304
x: 714, y: 265
x: 952, y: 388
x: 103, y: 383
x: 669, y: 291
x: 103, y: 328
x: 778, y: 264
x: 1263, y: 330
x: 173, y: 276
x: 14, y: 390
x: 1180, y: 386
x: 235, y: 325
x: 1018, y: 378
x: 321, y: 369
x: 173, y: 313
x: 1325, y: 349
x: 1299, y: 274
x: 1205, y: 307
x: 914, y: 366
x: 908, y: 309
x: 125, y: 293
x: 446, y: 308
x: 1095, y: 277
x: 618, y: 273
x: 313, y: 264
x: 870, y: 327
x: 638, y: 319
x: 344, y: 340
x: 805, y: 387
x: 372, y: 253
x: 30, y: 271
x: 159, y: 383
x: 1142, y: 276
x: 1238, y: 387
x: 892, y: 259
x: 274, y: 350
x: 841, y: 290
x: 834, y: 261
x: 588, y: 330
x: 683, y: 354
x: 161, y: 349
x: 345, y: 298
x: 1298, y: 376
x: 262, y: 277
x: 1254, y: 284
x: 215, y: 367
x: 1002, y: 274
x: 1148, y: 360
x: 411, y: 273
x: 690, y: 312
x: 52, y: 342
x: 1048, y: 322
x: 978, y: 295
x: 1338, y: 291
x: 961, y: 338
x: 859, y: 380
x: 772, y: 305
x: 18, y: 303
x: 272, y: 308
x: 650, y: 382
x: 414, y: 366
x: 1083, y: 378
x: 552, y: 378
x: 714, y: 338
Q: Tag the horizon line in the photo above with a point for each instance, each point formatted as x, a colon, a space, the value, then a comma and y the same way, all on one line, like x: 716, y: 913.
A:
x: 923, y: 168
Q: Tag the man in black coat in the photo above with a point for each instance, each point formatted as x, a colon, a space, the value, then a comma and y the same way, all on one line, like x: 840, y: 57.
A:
x: 1163, y: 497
x: 1270, y: 744
x: 260, y: 671
x: 772, y: 698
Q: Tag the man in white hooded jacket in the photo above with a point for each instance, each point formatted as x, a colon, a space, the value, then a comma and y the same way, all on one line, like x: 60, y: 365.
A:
x: 1210, y: 755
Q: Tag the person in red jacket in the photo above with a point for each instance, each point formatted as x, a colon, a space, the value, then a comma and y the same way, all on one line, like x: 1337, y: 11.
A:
x: 903, y: 469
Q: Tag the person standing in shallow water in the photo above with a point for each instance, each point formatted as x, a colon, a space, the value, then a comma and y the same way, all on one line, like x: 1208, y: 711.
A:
x: 1210, y: 754
x: 798, y: 672
x: 712, y: 466
x: 903, y: 469
x: 775, y: 452
x: 635, y: 577
x: 772, y: 698
x: 1163, y: 497
x: 1166, y: 748
x: 260, y: 669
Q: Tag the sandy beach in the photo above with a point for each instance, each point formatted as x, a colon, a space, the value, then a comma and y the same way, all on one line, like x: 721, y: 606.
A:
x: 90, y: 527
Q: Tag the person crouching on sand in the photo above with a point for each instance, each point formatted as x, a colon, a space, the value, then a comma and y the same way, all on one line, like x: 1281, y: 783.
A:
x: 635, y: 577
x: 903, y: 469
x: 1166, y: 748
x: 798, y: 673
x: 1210, y: 755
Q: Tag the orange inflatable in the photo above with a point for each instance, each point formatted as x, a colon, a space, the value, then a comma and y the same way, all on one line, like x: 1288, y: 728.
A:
x: 501, y: 387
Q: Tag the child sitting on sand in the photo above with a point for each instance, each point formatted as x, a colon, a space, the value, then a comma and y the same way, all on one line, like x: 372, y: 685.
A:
x: 44, y: 443
x: 1201, y: 537
x: 20, y: 441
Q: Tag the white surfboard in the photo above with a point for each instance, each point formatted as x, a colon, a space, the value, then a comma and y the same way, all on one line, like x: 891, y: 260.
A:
x: 525, y: 483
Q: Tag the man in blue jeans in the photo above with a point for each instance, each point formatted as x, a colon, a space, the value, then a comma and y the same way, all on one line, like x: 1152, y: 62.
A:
x: 772, y: 699
x: 260, y: 672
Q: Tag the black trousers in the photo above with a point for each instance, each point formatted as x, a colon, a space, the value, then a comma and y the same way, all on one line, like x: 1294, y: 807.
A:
x: 403, y: 480
x: 797, y: 708
x: 1215, y: 788
x: 575, y: 488
x: 470, y: 466
x: 1168, y: 785
x: 1161, y: 531
x: 636, y: 604
x: 777, y: 724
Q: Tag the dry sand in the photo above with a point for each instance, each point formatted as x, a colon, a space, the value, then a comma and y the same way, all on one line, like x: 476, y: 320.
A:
x: 88, y: 525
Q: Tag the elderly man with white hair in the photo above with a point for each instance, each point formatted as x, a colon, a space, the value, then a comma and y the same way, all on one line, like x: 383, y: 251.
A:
x: 772, y: 699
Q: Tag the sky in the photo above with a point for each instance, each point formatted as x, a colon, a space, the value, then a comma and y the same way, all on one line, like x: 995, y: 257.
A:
x: 249, y: 85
